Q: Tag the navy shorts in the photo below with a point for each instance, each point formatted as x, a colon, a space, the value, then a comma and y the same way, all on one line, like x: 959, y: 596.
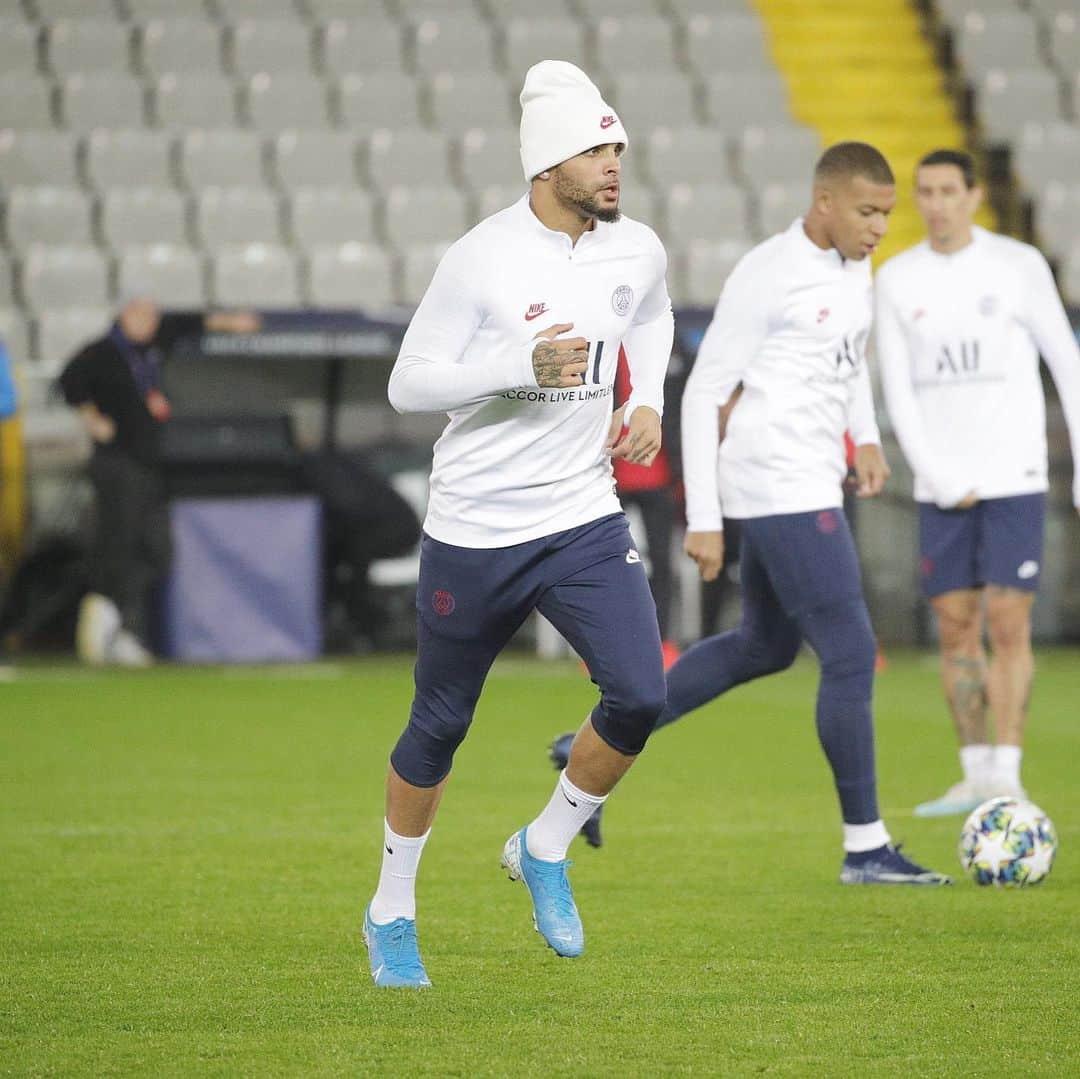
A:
x: 997, y: 541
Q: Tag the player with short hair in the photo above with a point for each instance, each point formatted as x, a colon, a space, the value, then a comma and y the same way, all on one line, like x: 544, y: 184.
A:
x: 961, y: 320
x: 523, y: 514
x: 790, y: 329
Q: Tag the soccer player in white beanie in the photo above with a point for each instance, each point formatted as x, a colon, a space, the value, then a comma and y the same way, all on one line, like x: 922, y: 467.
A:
x: 517, y: 338
x: 961, y: 321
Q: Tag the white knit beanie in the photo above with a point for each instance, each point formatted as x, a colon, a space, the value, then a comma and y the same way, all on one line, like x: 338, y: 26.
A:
x: 562, y: 115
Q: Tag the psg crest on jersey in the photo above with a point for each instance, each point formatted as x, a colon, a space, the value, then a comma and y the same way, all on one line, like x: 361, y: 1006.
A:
x: 622, y: 299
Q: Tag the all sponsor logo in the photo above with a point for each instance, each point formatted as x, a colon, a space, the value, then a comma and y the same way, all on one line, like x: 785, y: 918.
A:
x: 535, y: 311
x: 606, y: 122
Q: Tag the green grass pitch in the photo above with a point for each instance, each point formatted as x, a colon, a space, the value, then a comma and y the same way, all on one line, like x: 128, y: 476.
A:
x: 184, y: 856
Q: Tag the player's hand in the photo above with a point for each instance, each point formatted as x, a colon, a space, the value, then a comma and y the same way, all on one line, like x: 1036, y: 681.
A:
x: 967, y: 501
x: 707, y: 550
x: 101, y: 428
x: 614, y: 428
x: 641, y: 443
x: 560, y: 364
x: 871, y: 470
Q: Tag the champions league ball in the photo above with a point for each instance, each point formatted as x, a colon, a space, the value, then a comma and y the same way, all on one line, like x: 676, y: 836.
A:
x: 1008, y: 843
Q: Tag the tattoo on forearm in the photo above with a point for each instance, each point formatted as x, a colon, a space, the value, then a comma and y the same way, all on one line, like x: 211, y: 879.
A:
x: 966, y: 690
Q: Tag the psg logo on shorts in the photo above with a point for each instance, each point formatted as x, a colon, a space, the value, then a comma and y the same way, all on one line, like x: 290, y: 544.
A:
x: 443, y: 603
x: 827, y: 523
x: 622, y: 299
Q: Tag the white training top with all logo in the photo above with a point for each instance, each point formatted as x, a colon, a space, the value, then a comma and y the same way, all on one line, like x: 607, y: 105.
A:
x: 791, y: 325
x: 958, y: 339
x: 517, y: 462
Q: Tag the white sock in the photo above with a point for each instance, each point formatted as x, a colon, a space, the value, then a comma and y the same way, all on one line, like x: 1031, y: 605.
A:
x: 396, y: 895
x: 861, y: 837
x: 1007, y: 764
x: 977, y: 762
x: 549, y: 836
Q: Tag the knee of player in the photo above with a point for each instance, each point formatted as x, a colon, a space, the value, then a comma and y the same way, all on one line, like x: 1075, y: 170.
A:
x: 1009, y: 631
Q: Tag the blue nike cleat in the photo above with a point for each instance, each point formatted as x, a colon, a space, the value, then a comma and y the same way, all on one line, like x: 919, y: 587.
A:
x: 559, y: 752
x: 394, y: 955
x: 886, y: 865
x: 554, y: 913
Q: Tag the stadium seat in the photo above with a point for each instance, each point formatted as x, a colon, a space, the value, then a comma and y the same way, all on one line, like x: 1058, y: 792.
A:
x: 780, y: 204
x: 178, y: 46
x: 726, y: 42
x: 347, y: 276
x: 25, y: 101
x: 1057, y: 217
x: 128, y: 158
x: 7, y: 282
x: 171, y: 276
x: 361, y: 45
x: 685, y: 154
x: 277, y: 102
x: 311, y: 158
x: 51, y: 10
x: 1064, y: 40
x: 492, y: 198
x: 486, y: 156
x: 595, y: 11
x: 1046, y: 152
x: 1070, y: 275
x: 38, y: 157
x: 61, y: 332
x: 954, y: 12
x: 414, y: 215
x: 707, y: 266
x: 633, y: 43
x: 323, y: 11
x: 705, y: 211
x: 1008, y: 100
x: 18, y: 46
x: 365, y: 102
x: 256, y: 275
x: 735, y: 100
x: 221, y: 158
x: 14, y: 334
x: 102, y: 99
x: 143, y: 216
x: 504, y: 10
x: 684, y: 10
x: 52, y: 277
x: 417, y: 266
x: 529, y: 40
x: 648, y: 99
x: 232, y: 216
x: 202, y: 100
x: 997, y: 40
x: 47, y: 215
x: 74, y: 46
x: 637, y: 202
x: 777, y: 154
x: 407, y: 155
x: 460, y: 100
x: 140, y: 11
x: 234, y: 10
x: 451, y: 43
x: 326, y: 216
x: 277, y: 45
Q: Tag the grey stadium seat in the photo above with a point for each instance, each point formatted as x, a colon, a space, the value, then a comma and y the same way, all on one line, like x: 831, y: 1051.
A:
x: 47, y: 215
x: 709, y: 211
x: 595, y: 11
x: 277, y: 102
x: 780, y: 204
x: 221, y: 158
x: 684, y: 10
x: 451, y: 43
x: 378, y: 99
x: 403, y: 156
x: 349, y: 275
x: 636, y: 201
x: 234, y: 216
x: 256, y: 275
x: 777, y: 154
x: 326, y: 216
x: 460, y: 100
x: 61, y: 332
x: 505, y: 10
x: 64, y: 275
x: 683, y: 155
x: 417, y: 267
x: 649, y: 99
x: 185, y: 101
x: 140, y: 11
x: 955, y: 11
x: 179, y: 46
x: 171, y: 276
x: 489, y: 156
x: 529, y: 40
x: 7, y: 282
x: 25, y: 101
x: 495, y: 197
x: 102, y: 99
x: 235, y: 10
x: 128, y: 158
x: 38, y: 157
x: 276, y: 45
x: 1070, y: 275
x: 1057, y: 217
x: 14, y: 334
x: 1064, y: 36
x: 997, y: 40
x: 726, y: 42
x: 143, y: 216
x: 414, y: 215
x: 360, y: 45
x: 642, y: 43
x: 707, y: 266
x: 735, y: 100
x: 312, y: 158
x: 1047, y: 152
x: 18, y: 46
x: 51, y: 10
x: 78, y: 45
x: 1008, y: 100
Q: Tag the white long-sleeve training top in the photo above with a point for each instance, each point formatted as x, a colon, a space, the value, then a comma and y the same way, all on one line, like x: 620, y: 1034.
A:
x: 791, y: 325
x: 517, y: 462
x: 958, y: 340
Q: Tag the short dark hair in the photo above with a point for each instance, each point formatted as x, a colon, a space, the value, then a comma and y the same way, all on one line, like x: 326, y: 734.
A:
x: 849, y: 159
x: 960, y: 158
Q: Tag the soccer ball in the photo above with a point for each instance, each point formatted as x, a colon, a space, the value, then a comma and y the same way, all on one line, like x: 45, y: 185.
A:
x: 1008, y: 843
